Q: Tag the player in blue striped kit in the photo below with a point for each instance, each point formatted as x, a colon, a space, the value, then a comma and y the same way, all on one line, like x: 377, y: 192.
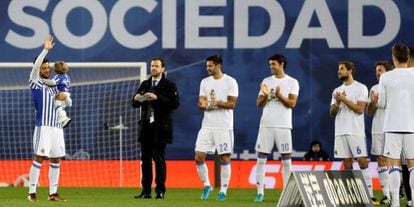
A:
x: 62, y: 82
x: 48, y: 138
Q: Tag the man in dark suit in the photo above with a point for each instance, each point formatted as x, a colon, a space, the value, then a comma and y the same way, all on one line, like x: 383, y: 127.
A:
x: 157, y: 97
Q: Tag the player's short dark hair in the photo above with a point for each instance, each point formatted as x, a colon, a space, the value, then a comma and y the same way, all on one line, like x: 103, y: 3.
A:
x: 349, y: 66
x: 384, y: 63
x: 45, y: 60
x: 160, y: 59
x: 216, y: 59
x: 401, y: 52
x: 279, y: 58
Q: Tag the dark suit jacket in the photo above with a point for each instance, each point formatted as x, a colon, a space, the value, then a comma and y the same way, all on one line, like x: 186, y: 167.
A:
x: 167, y: 101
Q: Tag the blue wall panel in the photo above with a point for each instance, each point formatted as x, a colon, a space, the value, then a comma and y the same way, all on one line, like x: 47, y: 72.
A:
x: 337, y: 35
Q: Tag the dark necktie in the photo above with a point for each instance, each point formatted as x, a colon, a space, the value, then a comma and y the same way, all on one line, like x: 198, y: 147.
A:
x: 150, y: 111
x: 154, y: 84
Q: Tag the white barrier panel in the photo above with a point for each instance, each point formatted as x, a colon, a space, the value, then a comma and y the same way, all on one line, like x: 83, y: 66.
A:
x: 325, y: 188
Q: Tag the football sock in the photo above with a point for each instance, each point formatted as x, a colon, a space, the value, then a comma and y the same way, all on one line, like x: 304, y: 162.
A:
x: 225, y: 176
x: 54, y: 171
x: 260, y: 173
x: 202, y: 171
x: 383, y: 175
x: 287, y: 166
x: 368, y: 180
x: 395, y: 182
x: 34, y: 176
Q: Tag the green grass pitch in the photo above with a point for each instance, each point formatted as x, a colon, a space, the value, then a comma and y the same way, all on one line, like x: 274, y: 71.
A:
x: 112, y: 197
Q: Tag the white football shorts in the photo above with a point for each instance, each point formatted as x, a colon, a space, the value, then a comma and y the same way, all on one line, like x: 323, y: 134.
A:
x: 377, y: 145
x: 210, y: 140
x: 49, y: 142
x: 395, y: 143
x: 350, y: 146
x: 269, y: 136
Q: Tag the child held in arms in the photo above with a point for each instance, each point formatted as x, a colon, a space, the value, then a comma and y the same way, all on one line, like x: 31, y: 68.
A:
x: 63, y: 100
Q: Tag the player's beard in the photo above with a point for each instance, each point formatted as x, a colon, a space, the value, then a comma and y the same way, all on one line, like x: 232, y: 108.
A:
x: 211, y: 72
x: 273, y: 71
x: 44, y: 75
x: 156, y: 74
x: 343, y: 78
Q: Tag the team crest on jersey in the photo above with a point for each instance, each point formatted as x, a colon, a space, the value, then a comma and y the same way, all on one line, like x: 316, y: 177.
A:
x: 42, y: 150
x: 258, y: 146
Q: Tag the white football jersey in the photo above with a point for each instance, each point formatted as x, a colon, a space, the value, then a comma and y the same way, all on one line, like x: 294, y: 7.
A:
x: 275, y: 114
x: 378, y: 119
x: 347, y: 122
x: 396, y: 96
x: 223, y: 87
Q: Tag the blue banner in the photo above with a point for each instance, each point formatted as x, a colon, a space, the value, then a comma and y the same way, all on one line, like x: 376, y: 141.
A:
x: 313, y: 35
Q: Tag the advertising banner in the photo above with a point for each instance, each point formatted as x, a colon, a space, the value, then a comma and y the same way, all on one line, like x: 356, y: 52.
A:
x: 181, y: 174
x: 325, y: 188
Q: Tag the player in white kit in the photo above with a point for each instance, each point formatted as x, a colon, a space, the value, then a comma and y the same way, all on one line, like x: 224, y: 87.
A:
x: 348, y: 106
x: 277, y: 96
x: 396, y: 96
x: 217, y: 98
x: 404, y: 168
x: 377, y: 132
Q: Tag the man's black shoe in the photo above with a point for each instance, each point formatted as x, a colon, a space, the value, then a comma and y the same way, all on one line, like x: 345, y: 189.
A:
x: 143, y: 196
x: 159, y: 196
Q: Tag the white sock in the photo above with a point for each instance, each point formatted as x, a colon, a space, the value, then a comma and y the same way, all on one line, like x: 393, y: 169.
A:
x: 411, y: 170
x: 34, y: 176
x: 260, y: 173
x: 202, y: 171
x: 225, y: 176
x: 287, y: 169
x: 395, y: 182
x: 54, y: 171
x: 383, y: 175
x: 368, y: 180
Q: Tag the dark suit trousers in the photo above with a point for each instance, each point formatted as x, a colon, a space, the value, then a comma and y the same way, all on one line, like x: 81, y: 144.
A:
x: 151, y: 150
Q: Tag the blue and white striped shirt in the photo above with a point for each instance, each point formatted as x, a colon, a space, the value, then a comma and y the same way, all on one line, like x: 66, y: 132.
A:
x: 43, y: 96
x: 62, y: 82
